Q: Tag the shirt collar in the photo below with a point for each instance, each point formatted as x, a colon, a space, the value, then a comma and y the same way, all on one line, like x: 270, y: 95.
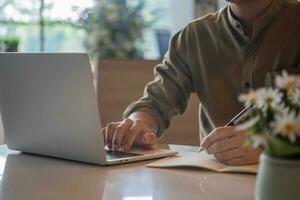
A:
x: 262, y: 22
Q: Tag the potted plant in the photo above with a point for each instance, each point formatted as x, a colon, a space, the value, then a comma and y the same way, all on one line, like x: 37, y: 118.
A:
x: 9, y: 44
x: 115, y: 29
x: 274, y: 127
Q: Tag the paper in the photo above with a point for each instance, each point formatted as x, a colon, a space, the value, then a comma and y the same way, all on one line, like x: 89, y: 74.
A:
x: 201, y: 160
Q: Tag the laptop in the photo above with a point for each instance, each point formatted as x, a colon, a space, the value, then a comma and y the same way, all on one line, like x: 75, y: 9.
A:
x: 49, y: 107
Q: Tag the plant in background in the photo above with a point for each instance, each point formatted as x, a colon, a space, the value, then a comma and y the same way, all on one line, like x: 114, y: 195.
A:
x: 274, y: 126
x: 9, y: 44
x: 114, y: 28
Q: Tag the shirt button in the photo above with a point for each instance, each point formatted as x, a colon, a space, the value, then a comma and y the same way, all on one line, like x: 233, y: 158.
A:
x: 247, y: 85
x: 249, y: 52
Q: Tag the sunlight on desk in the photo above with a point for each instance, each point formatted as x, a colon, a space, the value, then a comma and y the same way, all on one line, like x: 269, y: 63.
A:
x: 30, y: 177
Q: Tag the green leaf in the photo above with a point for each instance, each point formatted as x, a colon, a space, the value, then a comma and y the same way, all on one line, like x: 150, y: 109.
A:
x: 248, y: 142
x: 281, y: 148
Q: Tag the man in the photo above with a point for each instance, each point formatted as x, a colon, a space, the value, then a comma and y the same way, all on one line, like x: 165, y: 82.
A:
x: 218, y: 56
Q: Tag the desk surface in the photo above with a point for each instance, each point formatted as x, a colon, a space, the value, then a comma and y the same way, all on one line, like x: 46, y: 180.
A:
x: 31, y: 177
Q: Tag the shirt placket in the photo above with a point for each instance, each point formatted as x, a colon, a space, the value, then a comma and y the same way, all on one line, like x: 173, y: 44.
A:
x: 248, y: 64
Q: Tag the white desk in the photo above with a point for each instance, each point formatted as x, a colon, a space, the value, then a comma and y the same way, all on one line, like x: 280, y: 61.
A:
x: 38, y: 178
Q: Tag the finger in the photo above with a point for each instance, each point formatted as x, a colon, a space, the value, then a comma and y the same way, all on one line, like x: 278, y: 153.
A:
x: 226, y: 144
x: 135, y: 130
x: 218, y: 134
x: 150, y: 139
x: 110, y: 133
x: 103, y: 131
x: 147, y: 139
x: 230, y: 154
x: 119, y: 133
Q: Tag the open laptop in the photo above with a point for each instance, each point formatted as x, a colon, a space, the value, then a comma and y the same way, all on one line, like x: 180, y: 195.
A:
x: 49, y: 107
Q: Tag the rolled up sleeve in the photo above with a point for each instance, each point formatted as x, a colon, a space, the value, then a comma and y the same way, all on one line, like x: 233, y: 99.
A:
x: 168, y: 94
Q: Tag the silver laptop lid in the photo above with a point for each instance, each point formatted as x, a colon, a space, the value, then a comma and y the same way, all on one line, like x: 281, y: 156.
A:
x: 49, y: 107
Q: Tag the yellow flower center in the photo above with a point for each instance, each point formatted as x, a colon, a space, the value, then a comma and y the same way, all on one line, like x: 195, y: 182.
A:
x: 251, y: 96
x: 290, y: 85
x: 269, y: 100
x: 289, y: 128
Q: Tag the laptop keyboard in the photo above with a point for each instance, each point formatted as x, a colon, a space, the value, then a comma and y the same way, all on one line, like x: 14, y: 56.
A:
x: 111, y: 155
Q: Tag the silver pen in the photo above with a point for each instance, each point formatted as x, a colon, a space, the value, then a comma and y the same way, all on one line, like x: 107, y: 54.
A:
x: 241, y: 116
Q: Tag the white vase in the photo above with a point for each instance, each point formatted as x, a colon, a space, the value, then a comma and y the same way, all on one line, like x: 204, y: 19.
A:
x: 278, y: 179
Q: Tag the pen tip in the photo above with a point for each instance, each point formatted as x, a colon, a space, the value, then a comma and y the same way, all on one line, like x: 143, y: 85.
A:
x: 200, y: 149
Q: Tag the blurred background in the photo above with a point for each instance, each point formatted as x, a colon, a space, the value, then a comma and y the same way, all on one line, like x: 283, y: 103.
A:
x: 124, y: 38
x: 142, y: 27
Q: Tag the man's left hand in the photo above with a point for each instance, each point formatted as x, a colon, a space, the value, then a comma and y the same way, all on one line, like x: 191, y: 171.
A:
x: 226, y: 144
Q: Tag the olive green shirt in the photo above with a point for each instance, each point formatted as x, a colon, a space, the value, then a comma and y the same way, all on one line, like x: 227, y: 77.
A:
x: 213, y: 58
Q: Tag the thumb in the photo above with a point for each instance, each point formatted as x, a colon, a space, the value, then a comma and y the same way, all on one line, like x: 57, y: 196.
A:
x: 149, y: 139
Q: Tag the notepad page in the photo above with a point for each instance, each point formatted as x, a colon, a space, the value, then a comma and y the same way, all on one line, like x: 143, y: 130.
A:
x: 241, y: 169
x: 200, y: 160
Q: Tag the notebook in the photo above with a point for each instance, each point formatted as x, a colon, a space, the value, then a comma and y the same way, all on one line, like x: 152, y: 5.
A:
x: 201, y: 160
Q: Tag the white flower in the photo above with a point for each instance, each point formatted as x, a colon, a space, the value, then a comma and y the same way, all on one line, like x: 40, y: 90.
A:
x: 259, y: 140
x: 295, y: 98
x: 287, y: 82
x: 248, y: 124
x: 287, y: 125
x: 281, y: 108
x: 268, y: 97
x: 248, y: 98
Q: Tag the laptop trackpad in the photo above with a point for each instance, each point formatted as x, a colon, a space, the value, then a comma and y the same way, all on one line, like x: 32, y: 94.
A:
x: 111, y: 155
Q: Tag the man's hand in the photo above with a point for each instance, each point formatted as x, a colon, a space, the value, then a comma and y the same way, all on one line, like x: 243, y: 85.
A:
x: 226, y: 144
x: 128, y: 133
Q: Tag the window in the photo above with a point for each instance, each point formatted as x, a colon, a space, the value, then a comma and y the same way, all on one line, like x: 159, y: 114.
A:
x: 57, y: 31
x: 52, y: 25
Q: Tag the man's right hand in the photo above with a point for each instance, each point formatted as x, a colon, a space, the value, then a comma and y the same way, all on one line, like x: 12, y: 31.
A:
x: 128, y: 133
